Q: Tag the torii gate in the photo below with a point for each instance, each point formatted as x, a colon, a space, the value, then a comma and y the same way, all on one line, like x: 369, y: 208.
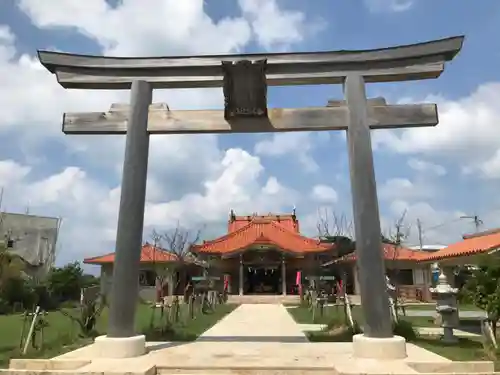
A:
x: 245, y: 79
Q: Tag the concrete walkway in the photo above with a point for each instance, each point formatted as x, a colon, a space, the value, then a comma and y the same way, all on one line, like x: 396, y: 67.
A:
x: 431, y: 313
x: 255, y: 339
x: 258, y: 323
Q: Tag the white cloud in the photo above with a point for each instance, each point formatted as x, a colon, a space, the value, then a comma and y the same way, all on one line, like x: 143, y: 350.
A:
x: 467, y: 132
x: 426, y: 167
x: 324, y: 194
x: 190, y: 177
x: 164, y: 26
x: 11, y: 172
x: 297, y: 145
x: 439, y: 226
x: 403, y: 188
x: 378, y: 6
x: 277, y: 28
x: 90, y: 208
x: 489, y: 168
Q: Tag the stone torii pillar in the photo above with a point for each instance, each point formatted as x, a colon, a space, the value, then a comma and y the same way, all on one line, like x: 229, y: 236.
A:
x: 121, y: 340
x: 369, y: 257
x: 244, y: 79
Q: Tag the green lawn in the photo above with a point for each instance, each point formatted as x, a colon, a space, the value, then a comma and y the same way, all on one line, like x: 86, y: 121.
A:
x: 432, y: 307
x: 466, y: 350
x: 62, y: 334
x: 470, y: 349
x: 303, y: 315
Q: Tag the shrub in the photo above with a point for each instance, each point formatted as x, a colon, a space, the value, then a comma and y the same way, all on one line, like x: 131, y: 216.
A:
x: 404, y: 329
x: 18, y: 291
x: 5, y: 308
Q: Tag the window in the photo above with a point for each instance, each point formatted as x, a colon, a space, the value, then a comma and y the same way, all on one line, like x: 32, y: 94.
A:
x: 147, y: 278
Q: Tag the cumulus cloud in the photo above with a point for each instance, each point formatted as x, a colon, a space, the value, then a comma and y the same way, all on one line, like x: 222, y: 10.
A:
x: 324, y: 194
x: 403, y: 188
x: 467, y: 132
x: 379, y: 6
x: 438, y: 226
x: 295, y: 145
x: 277, y: 28
x: 190, y: 178
x: 426, y: 167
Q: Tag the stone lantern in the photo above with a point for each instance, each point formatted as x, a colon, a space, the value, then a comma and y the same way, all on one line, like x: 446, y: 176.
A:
x: 446, y: 307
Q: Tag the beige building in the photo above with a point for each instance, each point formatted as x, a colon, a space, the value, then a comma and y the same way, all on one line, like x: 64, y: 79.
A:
x: 159, y: 273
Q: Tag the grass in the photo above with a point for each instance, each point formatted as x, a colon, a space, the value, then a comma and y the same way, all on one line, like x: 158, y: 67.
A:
x: 431, y: 307
x: 467, y: 349
x: 303, y: 315
x: 62, y: 334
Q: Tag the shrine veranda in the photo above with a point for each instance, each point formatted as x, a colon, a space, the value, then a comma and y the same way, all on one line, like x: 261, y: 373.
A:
x: 245, y: 79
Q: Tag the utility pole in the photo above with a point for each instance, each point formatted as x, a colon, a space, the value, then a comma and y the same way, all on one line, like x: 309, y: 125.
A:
x: 419, y: 227
x: 477, y: 221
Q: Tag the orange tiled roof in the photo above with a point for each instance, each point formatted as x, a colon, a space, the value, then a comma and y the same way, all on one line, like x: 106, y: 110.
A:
x: 149, y: 254
x: 391, y: 253
x: 470, y: 245
x: 288, y: 221
x: 262, y: 230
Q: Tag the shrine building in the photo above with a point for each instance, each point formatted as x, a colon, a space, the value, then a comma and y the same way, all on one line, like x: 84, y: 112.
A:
x: 263, y: 254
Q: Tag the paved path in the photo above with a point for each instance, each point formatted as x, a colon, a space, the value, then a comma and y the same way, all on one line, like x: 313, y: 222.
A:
x: 431, y: 312
x: 260, y: 337
x: 259, y: 322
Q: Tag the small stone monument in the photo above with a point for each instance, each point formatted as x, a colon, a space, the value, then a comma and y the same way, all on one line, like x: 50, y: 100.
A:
x: 392, y: 294
x: 446, y: 307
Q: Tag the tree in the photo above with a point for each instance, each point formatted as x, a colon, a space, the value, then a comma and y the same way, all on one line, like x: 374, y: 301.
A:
x: 396, y: 239
x: 178, y: 242
x: 65, y: 283
x: 11, y: 266
x: 483, y: 287
x: 335, y: 229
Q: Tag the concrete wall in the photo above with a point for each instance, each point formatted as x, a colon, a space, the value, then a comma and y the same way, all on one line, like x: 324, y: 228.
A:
x: 34, y: 239
x: 147, y: 293
x: 422, y: 280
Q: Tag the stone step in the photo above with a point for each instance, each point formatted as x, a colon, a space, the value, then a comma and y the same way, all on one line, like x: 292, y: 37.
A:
x: 263, y: 299
x: 80, y: 371
x: 454, y: 368
x: 245, y: 371
x: 46, y: 364
x: 54, y: 366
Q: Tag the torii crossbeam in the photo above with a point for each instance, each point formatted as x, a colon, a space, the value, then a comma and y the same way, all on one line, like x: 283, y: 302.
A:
x: 244, y: 79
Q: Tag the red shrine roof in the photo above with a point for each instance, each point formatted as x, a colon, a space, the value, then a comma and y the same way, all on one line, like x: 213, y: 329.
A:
x: 473, y: 244
x: 149, y: 254
x: 281, y: 231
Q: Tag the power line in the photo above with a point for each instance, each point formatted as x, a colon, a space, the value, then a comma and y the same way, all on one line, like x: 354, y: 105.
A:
x: 477, y: 221
x: 442, y: 224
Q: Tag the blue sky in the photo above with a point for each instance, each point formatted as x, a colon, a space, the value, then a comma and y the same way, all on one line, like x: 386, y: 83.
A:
x: 435, y: 175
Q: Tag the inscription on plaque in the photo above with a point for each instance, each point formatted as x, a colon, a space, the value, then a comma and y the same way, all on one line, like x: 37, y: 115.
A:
x: 245, y: 89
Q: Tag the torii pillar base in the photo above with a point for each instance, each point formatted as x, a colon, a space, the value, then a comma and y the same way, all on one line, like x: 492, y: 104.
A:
x: 379, y: 348
x: 120, y: 347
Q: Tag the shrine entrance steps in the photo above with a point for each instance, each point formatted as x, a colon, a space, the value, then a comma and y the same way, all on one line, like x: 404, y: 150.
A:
x: 274, y: 299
